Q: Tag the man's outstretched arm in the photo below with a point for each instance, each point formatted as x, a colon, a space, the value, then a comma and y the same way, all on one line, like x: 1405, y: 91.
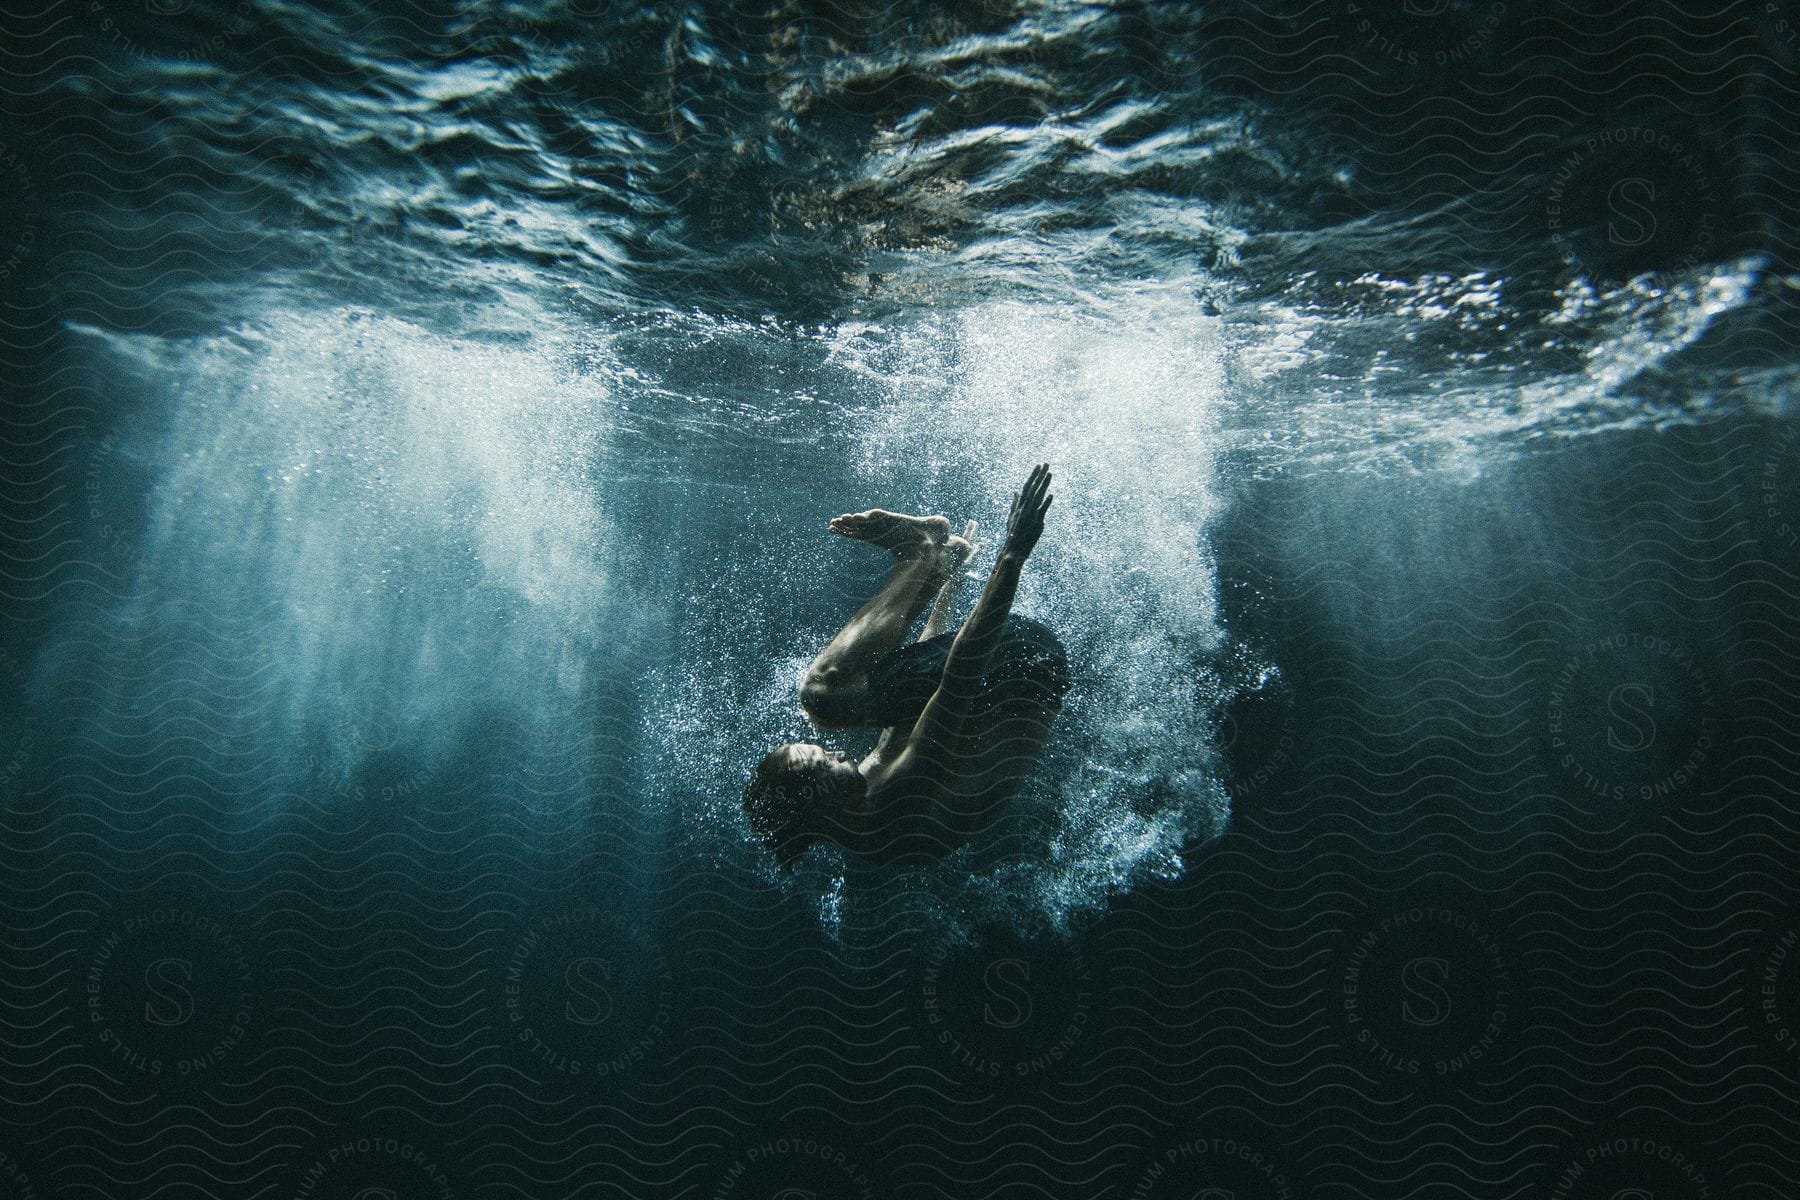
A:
x: 939, y: 726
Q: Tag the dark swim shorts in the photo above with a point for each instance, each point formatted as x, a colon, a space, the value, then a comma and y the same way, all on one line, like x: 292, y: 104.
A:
x: 1029, y: 663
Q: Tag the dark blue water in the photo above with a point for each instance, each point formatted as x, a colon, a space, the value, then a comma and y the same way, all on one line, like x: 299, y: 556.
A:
x: 422, y: 426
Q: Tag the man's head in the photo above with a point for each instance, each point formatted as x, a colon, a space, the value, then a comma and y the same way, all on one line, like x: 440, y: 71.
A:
x: 794, y: 792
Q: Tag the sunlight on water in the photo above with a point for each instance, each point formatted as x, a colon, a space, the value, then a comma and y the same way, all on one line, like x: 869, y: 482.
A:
x: 404, y: 523
x: 1316, y: 391
x: 417, y: 539
x: 948, y: 414
x: 412, y: 530
x: 1123, y: 405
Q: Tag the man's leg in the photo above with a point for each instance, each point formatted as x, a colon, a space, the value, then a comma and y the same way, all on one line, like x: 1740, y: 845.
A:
x: 956, y: 553
x: 834, y: 692
x: 939, y: 620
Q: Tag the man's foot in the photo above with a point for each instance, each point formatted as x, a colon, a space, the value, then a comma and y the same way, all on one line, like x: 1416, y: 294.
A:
x: 893, y: 531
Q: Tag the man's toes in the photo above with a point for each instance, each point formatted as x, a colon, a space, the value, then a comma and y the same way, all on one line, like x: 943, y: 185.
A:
x: 896, y: 531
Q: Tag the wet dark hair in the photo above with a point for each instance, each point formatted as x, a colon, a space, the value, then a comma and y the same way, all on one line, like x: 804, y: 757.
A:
x: 778, y: 802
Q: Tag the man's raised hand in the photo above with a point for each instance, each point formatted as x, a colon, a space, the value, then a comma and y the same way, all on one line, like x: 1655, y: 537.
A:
x: 1026, y: 523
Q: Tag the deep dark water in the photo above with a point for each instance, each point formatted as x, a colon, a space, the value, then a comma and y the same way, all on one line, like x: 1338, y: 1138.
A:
x: 421, y: 424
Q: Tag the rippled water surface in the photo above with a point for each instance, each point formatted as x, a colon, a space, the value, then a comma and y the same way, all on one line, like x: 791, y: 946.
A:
x: 429, y: 420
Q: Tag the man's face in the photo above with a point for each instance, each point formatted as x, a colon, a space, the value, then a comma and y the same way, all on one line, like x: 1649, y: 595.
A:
x: 828, y: 774
x: 817, y: 758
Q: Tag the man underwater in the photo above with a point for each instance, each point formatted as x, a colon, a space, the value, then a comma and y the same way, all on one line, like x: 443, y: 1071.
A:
x: 964, y: 716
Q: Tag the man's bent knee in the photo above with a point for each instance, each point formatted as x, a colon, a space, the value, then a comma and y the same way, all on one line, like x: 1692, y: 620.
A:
x: 831, y: 702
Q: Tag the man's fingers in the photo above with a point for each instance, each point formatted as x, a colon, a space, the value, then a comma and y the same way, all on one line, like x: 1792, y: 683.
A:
x: 1031, y: 502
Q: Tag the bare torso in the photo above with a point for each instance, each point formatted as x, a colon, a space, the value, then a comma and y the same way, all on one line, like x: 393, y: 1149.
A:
x: 915, y: 808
